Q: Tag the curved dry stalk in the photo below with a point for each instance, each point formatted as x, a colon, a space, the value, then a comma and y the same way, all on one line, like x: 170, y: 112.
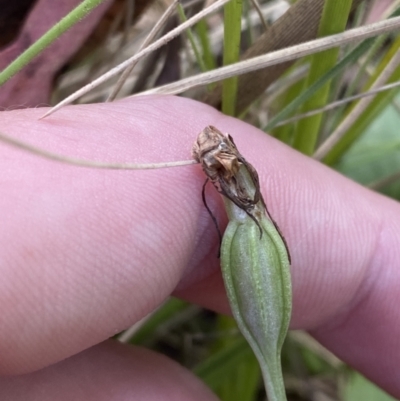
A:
x: 339, y: 103
x: 121, y: 67
x: 260, y: 13
x: 160, y: 23
x: 344, y: 126
x: 277, y: 57
x: 88, y: 163
x: 383, y: 182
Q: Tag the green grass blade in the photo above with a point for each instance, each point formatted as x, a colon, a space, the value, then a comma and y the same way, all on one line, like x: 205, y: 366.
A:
x: 48, y: 38
x: 232, y: 33
x: 242, y: 383
x: 223, y: 362
x: 359, y: 388
x: 285, y: 132
x: 379, y: 103
x: 337, y: 69
x: 148, y: 331
x: 192, y: 41
x: 351, y: 57
x: 334, y: 19
x: 207, y: 55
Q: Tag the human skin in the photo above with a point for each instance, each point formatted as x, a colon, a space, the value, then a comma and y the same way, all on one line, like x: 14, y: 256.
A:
x: 85, y: 253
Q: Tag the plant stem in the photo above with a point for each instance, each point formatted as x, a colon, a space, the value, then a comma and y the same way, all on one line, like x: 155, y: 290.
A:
x: 48, y: 38
x: 232, y: 33
x: 333, y: 20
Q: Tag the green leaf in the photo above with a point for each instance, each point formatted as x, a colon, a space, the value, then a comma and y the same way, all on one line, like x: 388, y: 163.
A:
x: 378, y: 104
x: 207, y: 55
x: 232, y: 33
x: 359, y: 388
x: 376, y: 154
x: 242, y: 382
x: 192, y: 40
x: 148, y: 332
x: 333, y: 20
x: 48, y: 38
x: 223, y: 363
x: 333, y: 72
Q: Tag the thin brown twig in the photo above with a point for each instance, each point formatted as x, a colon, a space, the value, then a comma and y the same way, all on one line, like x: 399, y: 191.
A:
x: 155, y: 45
x: 150, y: 37
x: 88, y: 163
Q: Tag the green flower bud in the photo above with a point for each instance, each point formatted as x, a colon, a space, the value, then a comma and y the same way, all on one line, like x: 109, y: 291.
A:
x: 256, y: 273
x: 254, y: 256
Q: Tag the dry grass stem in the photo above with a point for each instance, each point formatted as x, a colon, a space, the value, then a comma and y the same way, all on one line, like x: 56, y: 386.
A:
x: 156, y: 29
x: 127, y: 335
x: 121, y: 67
x: 391, y: 9
x: 279, y: 56
x: 339, y: 103
x: 304, y: 339
x: 260, y: 13
x: 88, y: 163
x: 383, y: 182
x: 344, y: 126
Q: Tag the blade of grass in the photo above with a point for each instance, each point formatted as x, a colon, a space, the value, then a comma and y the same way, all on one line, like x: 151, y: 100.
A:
x: 350, y: 58
x: 124, y: 76
x: 358, y: 388
x: 192, y: 40
x: 266, y: 60
x: 338, y: 68
x: 334, y: 19
x: 336, y: 150
x: 242, y: 383
x: 260, y: 14
x: 48, y: 38
x: 373, y: 54
x: 285, y: 133
x: 207, y: 54
x: 222, y: 362
x: 160, y: 317
x: 339, y: 103
x: 155, y: 45
x: 232, y: 34
x: 248, y: 28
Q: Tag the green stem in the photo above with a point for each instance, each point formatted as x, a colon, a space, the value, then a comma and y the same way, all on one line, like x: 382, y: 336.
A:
x: 379, y: 103
x: 333, y: 20
x: 192, y: 41
x: 48, y: 38
x: 232, y: 33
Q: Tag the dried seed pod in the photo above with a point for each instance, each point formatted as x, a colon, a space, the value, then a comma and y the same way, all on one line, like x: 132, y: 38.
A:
x: 254, y: 256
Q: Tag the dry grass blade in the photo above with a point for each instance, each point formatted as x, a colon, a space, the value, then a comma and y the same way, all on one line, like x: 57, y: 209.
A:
x: 279, y: 56
x: 341, y: 130
x: 339, y: 103
x: 160, y: 23
x: 260, y: 13
x: 383, y: 182
x: 88, y: 163
x: 298, y: 24
x: 304, y: 339
x: 121, y: 67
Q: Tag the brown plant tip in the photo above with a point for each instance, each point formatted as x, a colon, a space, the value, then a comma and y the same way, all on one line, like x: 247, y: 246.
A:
x: 217, y: 154
x: 231, y: 174
x: 221, y: 162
